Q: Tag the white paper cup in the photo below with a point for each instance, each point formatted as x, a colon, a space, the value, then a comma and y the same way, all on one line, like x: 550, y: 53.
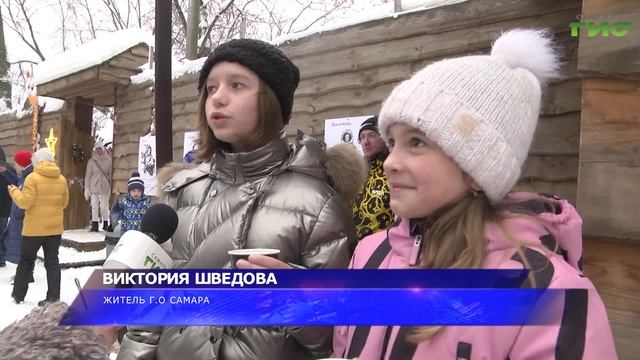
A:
x: 238, y: 254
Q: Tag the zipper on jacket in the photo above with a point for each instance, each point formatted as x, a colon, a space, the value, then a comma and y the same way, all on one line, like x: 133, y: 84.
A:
x: 417, y: 229
x: 206, y: 192
x: 415, y: 251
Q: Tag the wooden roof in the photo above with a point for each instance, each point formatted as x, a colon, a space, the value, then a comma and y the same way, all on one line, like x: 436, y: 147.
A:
x: 99, y: 82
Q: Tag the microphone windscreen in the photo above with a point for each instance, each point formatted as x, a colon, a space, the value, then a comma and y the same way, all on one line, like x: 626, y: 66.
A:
x: 161, y: 221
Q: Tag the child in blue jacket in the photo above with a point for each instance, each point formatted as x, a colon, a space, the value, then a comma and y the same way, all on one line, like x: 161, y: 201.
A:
x: 127, y: 213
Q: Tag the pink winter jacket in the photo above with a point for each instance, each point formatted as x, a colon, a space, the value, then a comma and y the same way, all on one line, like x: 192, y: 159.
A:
x: 583, y: 333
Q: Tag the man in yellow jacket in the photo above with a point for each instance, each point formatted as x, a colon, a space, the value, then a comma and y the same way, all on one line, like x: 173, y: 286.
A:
x: 44, y: 196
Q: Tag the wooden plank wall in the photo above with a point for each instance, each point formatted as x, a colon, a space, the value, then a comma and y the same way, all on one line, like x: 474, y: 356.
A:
x: 76, y: 129
x: 134, y: 112
x: 350, y: 71
x: 611, y: 56
x: 15, y: 134
x: 608, y: 189
x: 608, y: 186
x: 15, y: 131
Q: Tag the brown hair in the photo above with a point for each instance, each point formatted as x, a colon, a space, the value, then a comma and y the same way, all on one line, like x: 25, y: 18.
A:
x: 270, y: 123
x: 457, y: 240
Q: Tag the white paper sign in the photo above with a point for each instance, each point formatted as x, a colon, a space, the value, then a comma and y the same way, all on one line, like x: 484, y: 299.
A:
x: 343, y: 130
x: 147, y: 163
x: 190, y: 138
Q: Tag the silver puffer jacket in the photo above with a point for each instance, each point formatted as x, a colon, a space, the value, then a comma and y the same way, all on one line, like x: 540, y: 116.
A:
x: 278, y: 196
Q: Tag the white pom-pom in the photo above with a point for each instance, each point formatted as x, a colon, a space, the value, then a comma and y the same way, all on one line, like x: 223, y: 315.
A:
x: 530, y: 49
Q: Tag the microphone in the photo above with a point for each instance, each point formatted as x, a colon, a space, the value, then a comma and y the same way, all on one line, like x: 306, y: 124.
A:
x: 144, y: 249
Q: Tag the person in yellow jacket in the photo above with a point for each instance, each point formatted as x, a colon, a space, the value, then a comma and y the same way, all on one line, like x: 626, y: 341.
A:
x: 44, y: 196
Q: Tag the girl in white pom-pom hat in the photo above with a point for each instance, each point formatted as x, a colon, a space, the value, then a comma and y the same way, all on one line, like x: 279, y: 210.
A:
x: 459, y: 132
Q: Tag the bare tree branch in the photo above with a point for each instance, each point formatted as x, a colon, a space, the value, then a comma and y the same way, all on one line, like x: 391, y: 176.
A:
x: 33, y: 37
x: 297, y: 17
x: 92, y: 27
x: 14, y: 24
x: 178, y: 9
x: 114, y: 12
x: 139, y: 15
x: 63, y: 23
x: 213, y: 22
x: 23, y: 62
x: 323, y: 16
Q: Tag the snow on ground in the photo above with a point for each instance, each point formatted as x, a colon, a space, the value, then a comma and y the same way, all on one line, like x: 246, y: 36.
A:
x: 83, y: 236
x: 68, y: 255
x: 37, y: 290
x: 12, y: 312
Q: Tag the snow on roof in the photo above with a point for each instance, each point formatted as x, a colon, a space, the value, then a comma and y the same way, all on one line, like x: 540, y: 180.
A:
x: 376, y: 13
x: 178, y: 69
x: 90, y: 54
x: 50, y: 105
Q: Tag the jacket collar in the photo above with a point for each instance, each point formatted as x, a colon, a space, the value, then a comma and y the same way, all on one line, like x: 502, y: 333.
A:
x: 380, y: 157
x: 402, y: 236
x: 242, y: 166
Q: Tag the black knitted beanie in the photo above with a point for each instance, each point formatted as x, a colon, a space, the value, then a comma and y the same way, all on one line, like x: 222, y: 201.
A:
x: 266, y: 60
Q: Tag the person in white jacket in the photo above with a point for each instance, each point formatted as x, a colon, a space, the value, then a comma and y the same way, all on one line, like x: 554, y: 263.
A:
x: 97, y: 186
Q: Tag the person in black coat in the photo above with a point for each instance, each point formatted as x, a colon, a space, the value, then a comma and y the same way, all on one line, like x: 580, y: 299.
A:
x: 8, y: 176
x: 13, y: 235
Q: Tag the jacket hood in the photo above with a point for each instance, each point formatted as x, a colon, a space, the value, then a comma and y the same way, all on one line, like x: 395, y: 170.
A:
x: 104, y: 155
x: 40, y: 333
x: 557, y: 230
x: 341, y: 166
x: 48, y: 169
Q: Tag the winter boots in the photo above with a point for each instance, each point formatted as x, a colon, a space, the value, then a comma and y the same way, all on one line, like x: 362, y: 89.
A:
x: 105, y: 225
x: 94, y: 226
x: 45, y: 302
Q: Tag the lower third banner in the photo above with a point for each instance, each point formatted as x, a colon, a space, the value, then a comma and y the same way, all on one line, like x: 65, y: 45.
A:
x: 316, y: 306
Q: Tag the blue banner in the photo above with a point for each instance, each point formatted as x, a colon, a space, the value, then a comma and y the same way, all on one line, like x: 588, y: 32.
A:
x: 316, y: 306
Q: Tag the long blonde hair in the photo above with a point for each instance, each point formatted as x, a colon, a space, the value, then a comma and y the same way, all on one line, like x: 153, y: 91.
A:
x: 456, y: 240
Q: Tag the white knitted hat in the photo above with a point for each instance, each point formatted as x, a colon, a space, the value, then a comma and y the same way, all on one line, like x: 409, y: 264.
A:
x: 481, y: 110
x: 41, y: 155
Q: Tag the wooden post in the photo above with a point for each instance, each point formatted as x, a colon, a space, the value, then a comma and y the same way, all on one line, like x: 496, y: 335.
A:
x: 608, y: 187
x: 163, y: 111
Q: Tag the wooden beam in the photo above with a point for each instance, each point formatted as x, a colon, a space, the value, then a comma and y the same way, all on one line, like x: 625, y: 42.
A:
x: 610, y: 56
x: 87, y: 89
x: 608, y: 187
x: 115, y: 75
x: 126, y: 64
x: 141, y: 50
x: 105, y: 100
x: 67, y: 81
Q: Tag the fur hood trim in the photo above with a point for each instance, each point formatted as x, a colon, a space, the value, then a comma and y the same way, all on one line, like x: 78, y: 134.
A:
x: 38, y: 336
